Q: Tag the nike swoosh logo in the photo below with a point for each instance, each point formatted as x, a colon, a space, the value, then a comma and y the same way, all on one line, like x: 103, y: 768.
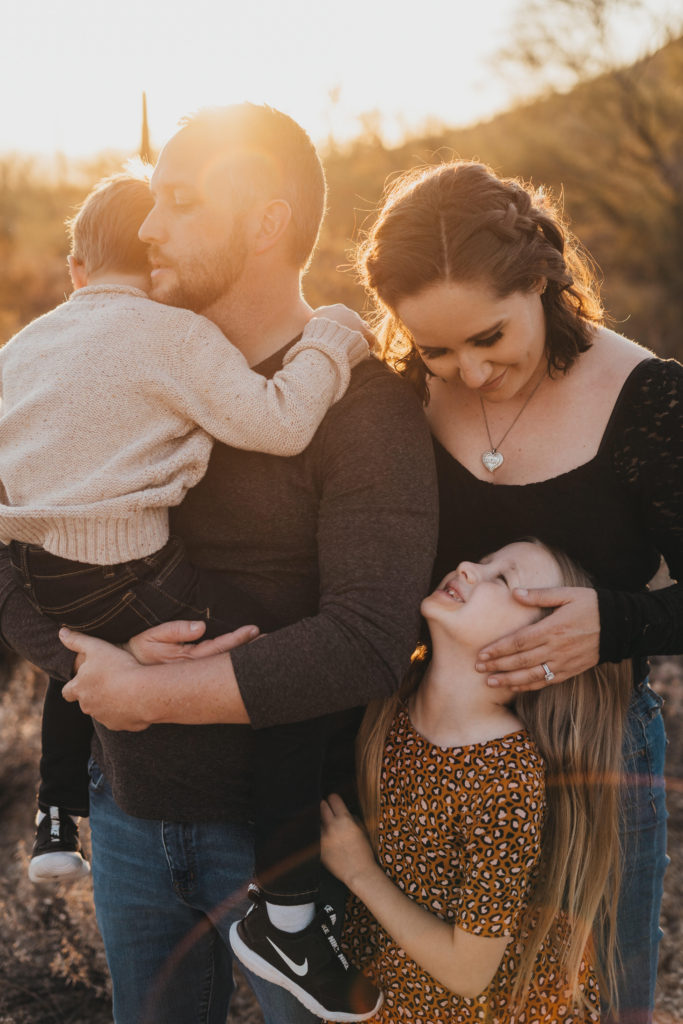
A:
x: 299, y: 969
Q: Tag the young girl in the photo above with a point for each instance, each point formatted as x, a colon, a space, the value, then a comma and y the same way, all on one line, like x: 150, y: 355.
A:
x: 495, y: 826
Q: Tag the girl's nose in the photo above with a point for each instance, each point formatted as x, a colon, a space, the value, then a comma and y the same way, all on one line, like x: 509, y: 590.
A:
x: 468, y: 571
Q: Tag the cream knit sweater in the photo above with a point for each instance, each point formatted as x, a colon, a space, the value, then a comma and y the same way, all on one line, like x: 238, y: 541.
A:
x: 109, y: 406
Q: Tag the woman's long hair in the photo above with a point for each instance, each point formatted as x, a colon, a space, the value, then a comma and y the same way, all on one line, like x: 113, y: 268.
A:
x: 459, y: 222
x: 578, y: 727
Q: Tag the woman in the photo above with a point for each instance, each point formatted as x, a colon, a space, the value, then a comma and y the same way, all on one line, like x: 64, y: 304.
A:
x: 487, y: 819
x: 546, y: 423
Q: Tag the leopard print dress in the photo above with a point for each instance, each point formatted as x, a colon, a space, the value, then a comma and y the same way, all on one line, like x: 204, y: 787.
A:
x: 460, y: 833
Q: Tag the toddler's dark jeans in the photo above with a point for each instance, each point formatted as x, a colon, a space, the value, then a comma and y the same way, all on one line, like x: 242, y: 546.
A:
x: 114, y: 603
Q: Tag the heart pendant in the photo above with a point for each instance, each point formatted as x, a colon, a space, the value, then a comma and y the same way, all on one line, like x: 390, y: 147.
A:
x: 492, y: 460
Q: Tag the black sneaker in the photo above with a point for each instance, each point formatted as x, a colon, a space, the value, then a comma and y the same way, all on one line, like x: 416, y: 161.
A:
x: 56, y: 853
x: 308, y: 963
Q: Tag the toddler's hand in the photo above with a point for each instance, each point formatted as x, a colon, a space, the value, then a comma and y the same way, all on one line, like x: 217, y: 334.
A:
x: 174, y: 641
x: 341, y: 314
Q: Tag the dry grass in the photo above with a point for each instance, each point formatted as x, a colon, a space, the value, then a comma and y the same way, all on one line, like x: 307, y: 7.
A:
x: 52, y: 967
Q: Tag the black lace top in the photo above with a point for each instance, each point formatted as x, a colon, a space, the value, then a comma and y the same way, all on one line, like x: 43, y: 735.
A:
x: 615, y: 515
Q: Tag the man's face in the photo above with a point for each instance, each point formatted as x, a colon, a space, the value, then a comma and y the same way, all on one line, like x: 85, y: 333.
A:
x: 195, y: 230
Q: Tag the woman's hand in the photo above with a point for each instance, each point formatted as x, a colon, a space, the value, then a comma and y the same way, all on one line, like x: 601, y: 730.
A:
x: 567, y: 640
x: 174, y: 641
x: 344, y: 846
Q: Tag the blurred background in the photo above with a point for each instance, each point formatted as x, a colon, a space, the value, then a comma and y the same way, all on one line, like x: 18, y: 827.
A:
x: 584, y: 96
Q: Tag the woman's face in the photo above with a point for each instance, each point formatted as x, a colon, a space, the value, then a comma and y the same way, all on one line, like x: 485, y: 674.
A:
x: 474, y: 604
x: 466, y: 333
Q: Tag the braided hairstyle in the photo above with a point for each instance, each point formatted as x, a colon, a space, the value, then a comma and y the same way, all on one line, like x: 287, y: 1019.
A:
x: 459, y: 222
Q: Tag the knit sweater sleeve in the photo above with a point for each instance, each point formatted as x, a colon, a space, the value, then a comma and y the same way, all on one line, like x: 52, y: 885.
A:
x: 376, y: 538
x: 648, y: 461
x: 210, y: 380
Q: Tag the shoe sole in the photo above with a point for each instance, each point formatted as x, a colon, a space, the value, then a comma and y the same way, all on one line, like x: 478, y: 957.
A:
x: 269, y: 972
x: 51, y: 868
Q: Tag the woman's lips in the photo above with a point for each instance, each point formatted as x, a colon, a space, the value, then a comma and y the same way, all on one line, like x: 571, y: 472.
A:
x: 495, y: 383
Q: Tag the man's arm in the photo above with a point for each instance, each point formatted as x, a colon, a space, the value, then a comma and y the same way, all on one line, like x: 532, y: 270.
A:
x: 376, y: 541
x: 377, y: 527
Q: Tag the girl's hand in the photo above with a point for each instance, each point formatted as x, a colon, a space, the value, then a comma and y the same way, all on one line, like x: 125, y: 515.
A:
x: 567, y: 640
x: 344, y: 846
x: 174, y: 641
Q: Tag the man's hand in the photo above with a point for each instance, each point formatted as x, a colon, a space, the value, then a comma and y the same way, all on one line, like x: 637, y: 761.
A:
x: 341, y: 314
x: 174, y: 641
x: 106, y: 684
x: 567, y: 640
x: 113, y: 687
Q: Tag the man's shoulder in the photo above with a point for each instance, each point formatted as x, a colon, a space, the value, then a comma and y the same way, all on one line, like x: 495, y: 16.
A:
x: 372, y: 381
x: 380, y: 415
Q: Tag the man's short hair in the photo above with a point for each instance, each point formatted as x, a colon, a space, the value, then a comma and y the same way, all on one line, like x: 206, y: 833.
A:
x: 276, y: 155
x: 104, y: 231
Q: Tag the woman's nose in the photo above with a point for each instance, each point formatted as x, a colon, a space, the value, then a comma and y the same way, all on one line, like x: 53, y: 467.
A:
x: 474, y: 372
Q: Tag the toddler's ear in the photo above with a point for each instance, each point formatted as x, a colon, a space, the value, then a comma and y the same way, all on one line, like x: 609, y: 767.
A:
x: 79, y: 276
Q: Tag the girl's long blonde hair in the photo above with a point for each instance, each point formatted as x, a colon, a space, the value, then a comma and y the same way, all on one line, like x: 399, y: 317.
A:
x: 578, y: 727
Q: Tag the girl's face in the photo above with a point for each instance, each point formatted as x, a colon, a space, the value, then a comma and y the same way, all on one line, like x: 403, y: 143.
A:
x: 467, y: 334
x: 475, y: 604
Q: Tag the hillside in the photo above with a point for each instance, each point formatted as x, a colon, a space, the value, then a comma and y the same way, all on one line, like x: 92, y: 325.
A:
x: 613, y: 147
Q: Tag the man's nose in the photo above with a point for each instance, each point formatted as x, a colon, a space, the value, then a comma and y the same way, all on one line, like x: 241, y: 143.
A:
x: 151, y: 229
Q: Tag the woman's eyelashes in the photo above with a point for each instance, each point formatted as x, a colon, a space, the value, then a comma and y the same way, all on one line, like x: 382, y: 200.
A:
x: 489, y: 340
x: 433, y: 353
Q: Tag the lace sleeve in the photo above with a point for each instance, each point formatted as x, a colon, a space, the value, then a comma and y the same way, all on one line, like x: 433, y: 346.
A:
x: 648, y: 460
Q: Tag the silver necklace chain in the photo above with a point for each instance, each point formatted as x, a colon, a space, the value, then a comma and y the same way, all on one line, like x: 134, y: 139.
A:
x: 493, y: 458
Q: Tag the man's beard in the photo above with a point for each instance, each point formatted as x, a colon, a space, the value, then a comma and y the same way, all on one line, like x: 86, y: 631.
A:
x: 200, y: 284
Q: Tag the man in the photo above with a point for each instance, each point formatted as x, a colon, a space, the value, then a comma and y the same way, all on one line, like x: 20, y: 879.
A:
x: 337, y: 543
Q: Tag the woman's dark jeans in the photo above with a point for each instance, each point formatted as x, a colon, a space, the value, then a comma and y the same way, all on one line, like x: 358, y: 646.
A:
x: 644, y: 857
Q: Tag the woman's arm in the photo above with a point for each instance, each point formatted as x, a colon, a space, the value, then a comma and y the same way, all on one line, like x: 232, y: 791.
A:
x: 647, y: 456
x: 459, y: 960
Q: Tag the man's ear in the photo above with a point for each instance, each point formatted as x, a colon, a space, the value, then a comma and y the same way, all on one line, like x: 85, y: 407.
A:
x: 271, y: 223
x: 79, y: 275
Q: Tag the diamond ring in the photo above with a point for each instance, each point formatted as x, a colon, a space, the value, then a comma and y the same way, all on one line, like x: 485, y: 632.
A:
x: 549, y: 676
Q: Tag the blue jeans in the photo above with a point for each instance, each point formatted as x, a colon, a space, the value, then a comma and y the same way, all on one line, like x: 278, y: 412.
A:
x: 165, y: 897
x: 645, y: 859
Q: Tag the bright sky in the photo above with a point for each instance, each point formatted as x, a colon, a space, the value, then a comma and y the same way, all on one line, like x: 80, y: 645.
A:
x: 72, y: 71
